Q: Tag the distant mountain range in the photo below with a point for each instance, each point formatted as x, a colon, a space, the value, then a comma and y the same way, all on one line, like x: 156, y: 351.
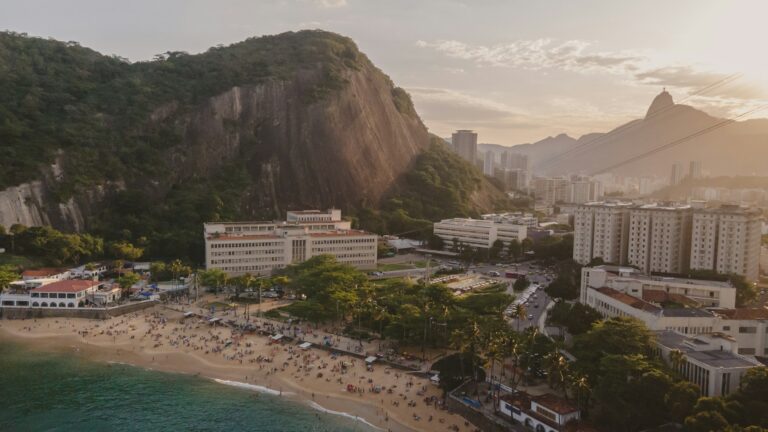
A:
x: 740, y: 148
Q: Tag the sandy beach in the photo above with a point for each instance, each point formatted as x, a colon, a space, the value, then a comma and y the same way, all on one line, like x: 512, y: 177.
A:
x: 162, y: 339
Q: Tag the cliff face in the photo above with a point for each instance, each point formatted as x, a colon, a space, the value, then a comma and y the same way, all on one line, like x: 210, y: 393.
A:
x: 307, y: 136
x: 345, y: 150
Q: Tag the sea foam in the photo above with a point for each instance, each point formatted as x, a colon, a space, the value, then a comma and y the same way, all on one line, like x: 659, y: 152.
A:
x: 320, y: 408
x: 253, y: 387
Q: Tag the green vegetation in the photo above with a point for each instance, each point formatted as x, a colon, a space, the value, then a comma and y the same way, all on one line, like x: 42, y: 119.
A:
x: 8, y: 274
x: 50, y: 246
x: 61, y: 96
x: 578, y: 318
x: 440, y: 185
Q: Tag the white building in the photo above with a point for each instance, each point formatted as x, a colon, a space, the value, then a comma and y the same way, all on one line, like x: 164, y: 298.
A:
x: 708, y: 361
x: 630, y: 281
x: 686, y: 306
x: 669, y: 238
x: 46, y: 273
x: 727, y: 240
x: 543, y: 413
x: 600, y: 231
x: 478, y: 233
x: 262, y: 247
x: 516, y: 218
x: 583, y: 190
x: 659, y: 238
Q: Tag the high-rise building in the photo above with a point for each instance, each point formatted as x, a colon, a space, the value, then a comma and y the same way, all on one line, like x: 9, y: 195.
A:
x: 600, y: 231
x: 695, y: 169
x: 488, y: 163
x: 727, y: 240
x: 512, y: 160
x: 670, y: 238
x: 513, y: 179
x: 465, y: 145
x: 550, y: 190
x: 677, y: 174
x: 583, y: 190
x: 659, y: 238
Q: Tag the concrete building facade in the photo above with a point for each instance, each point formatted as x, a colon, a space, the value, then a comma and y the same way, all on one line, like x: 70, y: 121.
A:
x: 260, y: 248
x: 479, y: 233
x: 465, y: 145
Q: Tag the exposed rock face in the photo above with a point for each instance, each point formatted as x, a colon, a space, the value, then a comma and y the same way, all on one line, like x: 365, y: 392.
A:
x: 345, y: 150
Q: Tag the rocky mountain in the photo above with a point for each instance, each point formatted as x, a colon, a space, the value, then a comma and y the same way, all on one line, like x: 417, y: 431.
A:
x: 736, y: 149
x: 137, y: 150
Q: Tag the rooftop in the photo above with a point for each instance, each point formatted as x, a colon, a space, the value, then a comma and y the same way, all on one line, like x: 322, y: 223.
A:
x: 340, y: 233
x: 659, y: 296
x: 43, y: 272
x: 244, y: 237
x: 629, y: 300
x: 744, y: 313
x: 637, y: 274
x: 68, y: 286
x: 686, y: 312
x: 555, y: 403
x: 714, y: 358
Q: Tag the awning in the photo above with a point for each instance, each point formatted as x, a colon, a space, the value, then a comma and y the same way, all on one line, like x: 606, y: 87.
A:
x: 276, y: 337
x: 305, y: 345
x: 188, y: 314
x: 371, y: 359
x: 214, y: 320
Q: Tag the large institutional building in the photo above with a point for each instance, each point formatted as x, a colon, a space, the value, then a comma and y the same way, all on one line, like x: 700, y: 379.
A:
x: 669, y: 238
x: 479, y: 233
x: 696, y: 317
x: 261, y: 247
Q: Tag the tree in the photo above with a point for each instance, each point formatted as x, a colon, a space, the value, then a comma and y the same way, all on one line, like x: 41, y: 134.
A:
x: 562, y: 288
x: 495, y: 250
x: 614, y: 336
x: 436, y: 242
x: 454, y: 369
x: 521, y: 284
x: 126, y: 281
x: 519, y: 313
x: 578, y: 318
x: 706, y: 421
x: 681, y: 399
x: 8, y: 274
x: 125, y: 251
x: 214, y: 278
x: 515, y: 249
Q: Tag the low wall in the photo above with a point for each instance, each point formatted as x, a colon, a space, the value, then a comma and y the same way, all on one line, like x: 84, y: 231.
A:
x: 484, y: 421
x: 89, y: 313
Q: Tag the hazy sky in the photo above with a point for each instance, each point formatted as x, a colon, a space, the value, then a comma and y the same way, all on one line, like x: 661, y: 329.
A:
x: 515, y: 71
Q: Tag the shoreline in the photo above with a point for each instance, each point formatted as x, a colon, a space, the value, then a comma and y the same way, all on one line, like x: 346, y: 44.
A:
x: 380, y: 411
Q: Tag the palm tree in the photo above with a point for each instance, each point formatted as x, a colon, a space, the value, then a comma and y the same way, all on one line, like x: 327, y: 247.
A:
x: 582, y: 391
x: 557, y: 370
x: 676, y: 360
x: 519, y: 312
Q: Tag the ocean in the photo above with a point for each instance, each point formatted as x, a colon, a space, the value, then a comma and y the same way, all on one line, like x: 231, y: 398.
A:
x: 58, y: 393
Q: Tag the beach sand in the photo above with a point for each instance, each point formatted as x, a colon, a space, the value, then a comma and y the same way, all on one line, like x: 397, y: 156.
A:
x: 162, y: 339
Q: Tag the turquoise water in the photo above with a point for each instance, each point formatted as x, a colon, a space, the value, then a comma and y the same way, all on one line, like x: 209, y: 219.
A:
x: 53, y: 392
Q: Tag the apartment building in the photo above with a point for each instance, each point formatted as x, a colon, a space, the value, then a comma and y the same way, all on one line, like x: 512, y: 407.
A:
x: 669, y: 238
x: 659, y: 238
x: 550, y: 190
x: 479, y: 233
x: 727, y: 240
x: 465, y: 145
x: 600, y: 230
x: 262, y: 247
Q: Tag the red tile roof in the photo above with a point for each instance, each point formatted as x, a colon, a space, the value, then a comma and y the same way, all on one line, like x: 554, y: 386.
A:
x: 43, y: 272
x: 555, y: 403
x: 658, y: 296
x: 629, y: 300
x: 68, y: 286
x: 744, y: 313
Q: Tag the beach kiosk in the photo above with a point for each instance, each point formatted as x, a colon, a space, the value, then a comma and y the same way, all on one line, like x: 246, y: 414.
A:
x: 305, y: 346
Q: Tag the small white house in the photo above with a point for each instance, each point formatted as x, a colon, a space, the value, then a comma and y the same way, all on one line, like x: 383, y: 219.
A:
x: 544, y: 413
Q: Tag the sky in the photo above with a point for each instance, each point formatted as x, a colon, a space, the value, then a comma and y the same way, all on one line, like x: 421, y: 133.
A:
x: 514, y: 71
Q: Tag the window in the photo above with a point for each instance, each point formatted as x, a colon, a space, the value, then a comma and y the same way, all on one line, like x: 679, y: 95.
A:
x: 747, y: 351
x: 749, y: 330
